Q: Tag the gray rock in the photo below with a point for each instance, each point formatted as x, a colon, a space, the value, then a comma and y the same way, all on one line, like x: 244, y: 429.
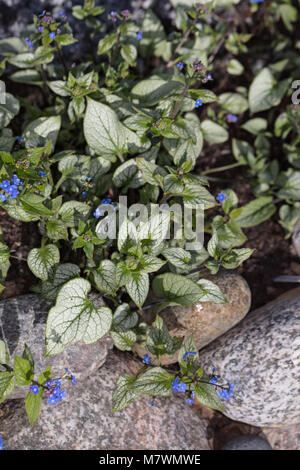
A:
x: 247, y: 442
x: 296, y: 238
x: 84, y: 420
x: 205, y: 320
x: 23, y: 320
x: 261, y: 357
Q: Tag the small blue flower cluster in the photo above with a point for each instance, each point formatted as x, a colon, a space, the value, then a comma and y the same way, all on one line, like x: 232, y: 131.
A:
x: 151, y: 403
x: 198, y: 103
x: 139, y: 35
x: 180, y: 65
x: 191, y: 399
x: 41, y: 173
x: 177, y: 386
x: 34, y: 389
x: 256, y: 1
x: 20, y: 139
x: 231, y: 117
x: 226, y: 393
x: 1, y: 444
x: 10, y: 189
x: 221, y: 197
x: 98, y: 212
x: 146, y: 359
x: 55, y: 392
x: 71, y: 377
x: 52, y: 35
x: 29, y: 42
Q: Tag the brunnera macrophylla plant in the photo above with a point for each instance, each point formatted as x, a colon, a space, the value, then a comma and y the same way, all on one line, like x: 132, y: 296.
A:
x: 117, y: 131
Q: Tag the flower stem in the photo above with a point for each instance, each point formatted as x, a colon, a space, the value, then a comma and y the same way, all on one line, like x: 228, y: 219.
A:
x: 222, y: 168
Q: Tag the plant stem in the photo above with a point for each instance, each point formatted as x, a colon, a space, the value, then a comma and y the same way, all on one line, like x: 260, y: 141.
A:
x: 62, y: 60
x: 222, y: 168
x: 176, y: 109
x: 183, y: 41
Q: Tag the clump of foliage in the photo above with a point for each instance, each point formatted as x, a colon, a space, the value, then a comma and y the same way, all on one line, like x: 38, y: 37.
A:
x: 131, y: 121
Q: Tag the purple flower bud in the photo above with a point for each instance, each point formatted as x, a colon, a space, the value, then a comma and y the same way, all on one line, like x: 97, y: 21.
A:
x: 41, y: 28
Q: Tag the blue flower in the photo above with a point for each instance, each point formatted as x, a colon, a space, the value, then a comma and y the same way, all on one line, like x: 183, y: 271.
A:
x: 98, y: 213
x: 52, y: 401
x: 221, y: 197
x: 180, y: 65
x: 256, y: 1
x: 189, y: 353
x: 209, y: 76
x: 61, y: 13
x: 231, y: 117
x: 52, y: 35
x: 139, y: 35
x: 226, y: 393
x: 213, y: 380
x: 29, y: 42
x: 198, y: 103
x: 177, y: 386
x: 41, y: 28
x: 20, y: 139
x: 73, y: 380
x: 146, y: 359
x: 191, y: 399
x: 106, y: 201
x: 49, y: 383
x: 42, y: 14
x: 41, y: 173
x: 151, y: 403
x: 34, y: 389
x: 83, y: 194
x: 113, y: 16
x: 2, y: 197
x: 1, y: 443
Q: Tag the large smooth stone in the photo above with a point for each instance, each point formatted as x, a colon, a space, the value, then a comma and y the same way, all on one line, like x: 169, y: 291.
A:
x: 261, y: 357
x: 206, y: 320
x: 84, y: 420
x: 296, y: 238
x: 23, y: 321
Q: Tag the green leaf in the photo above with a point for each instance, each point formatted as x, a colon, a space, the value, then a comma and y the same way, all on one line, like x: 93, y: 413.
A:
x: 177, y: 288
x: 291, y: 188
x: 152, y: 90
x: 128, y: 176
x: 74, y: 318
x: 105, y: 277
x: 103, y: 130
x: 152, y: 173
x: 155, y: 381
x: 33, y: 405
x: 212, y: 292
x: 191, y: 360
x: 177, y: 257
x: 255, y: 212
x: 123, y: 340
x: 4, y: 253
x: 39, y: 131
x: 13, y: 45
x: 124, y: 393
x: 42, y: 260
x: 233, y: 102
x: 159, y: 342
x: 255, y: 125
x: 195, y: 194
x: 150, y: 264
x: 213, y: 133
x: 28, y: 76
x: 4, y: 358
x: 236, y: 257
x: 7, y: 384
x: 59, y: 87
x: 137, y: 286
x: 207, y: 396
x: 45, y: 375
x: 8, y: 110
x: 266, y: 92
x: 124, y: 319
x: 129, y: 53
x: 107, y: 43
x: 73, y: 211
x: 235, y: 67
x: 64, y: 272
x: 28, y: 356
x: 23, y: 371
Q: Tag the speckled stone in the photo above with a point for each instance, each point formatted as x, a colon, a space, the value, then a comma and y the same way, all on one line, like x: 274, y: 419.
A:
x: 296, y: 238
x: 23, y: 320
x: 247, y: 442
x: 261, y: 357
x: 84, y: 420
x: 284, y: 438
x: 206, y: 320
